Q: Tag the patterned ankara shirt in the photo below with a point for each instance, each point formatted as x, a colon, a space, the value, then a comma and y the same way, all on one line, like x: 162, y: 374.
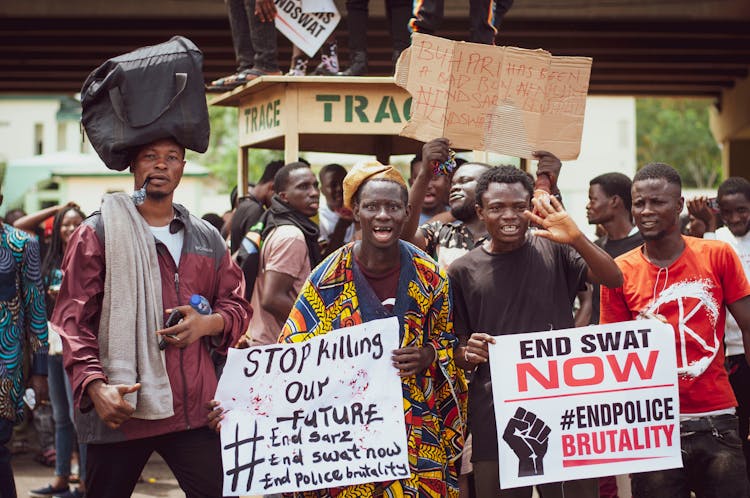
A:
x: 446, y: 242
x: 23, y: 320
x: 333, y: 297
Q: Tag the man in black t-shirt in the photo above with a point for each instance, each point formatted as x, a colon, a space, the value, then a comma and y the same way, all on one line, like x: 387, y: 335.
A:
x: 447, y: 241
x: 517, y: 281
x: 250, y: 208
x: 609, y: 206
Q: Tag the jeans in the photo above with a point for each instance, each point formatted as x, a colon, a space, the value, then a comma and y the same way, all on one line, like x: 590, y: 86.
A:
x: 194, y: 457
x: 397, y: 13
x: 713, y: 464
x: 487, y: 485
x: 239, y: 23
x: 7, y: 483
x: 254, y: 41
x: 61, y: 397
x: 484, y: 17
x: 739, y: 378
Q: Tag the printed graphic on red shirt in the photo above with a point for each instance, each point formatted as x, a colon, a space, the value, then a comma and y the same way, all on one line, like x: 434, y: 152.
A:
x: 696, y: 306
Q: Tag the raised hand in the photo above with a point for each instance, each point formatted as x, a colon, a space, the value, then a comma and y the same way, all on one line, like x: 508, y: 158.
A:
x: 548, y: 165
x: 700, y: 209
x: 554, y: 222
x: 436, y: 150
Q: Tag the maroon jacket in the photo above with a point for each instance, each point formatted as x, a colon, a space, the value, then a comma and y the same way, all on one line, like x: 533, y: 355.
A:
x: 205, y: 268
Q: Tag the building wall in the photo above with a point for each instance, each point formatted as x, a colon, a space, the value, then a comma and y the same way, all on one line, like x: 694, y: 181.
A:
x: 608, y: 144
x: 18, y: 119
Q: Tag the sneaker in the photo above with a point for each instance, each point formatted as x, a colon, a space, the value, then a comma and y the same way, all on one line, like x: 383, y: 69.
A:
x: 72, y: 493
x: 299, y: 67
x: 328, y: 66
x: 48, y: 491
x: 228, y: 83
x: 329, y: 62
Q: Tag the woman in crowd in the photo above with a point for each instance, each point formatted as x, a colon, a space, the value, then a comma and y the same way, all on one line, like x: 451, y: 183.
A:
x: 66, y: 221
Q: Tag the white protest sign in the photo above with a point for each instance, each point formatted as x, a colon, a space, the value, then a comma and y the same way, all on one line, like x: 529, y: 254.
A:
x: 586, y: 402
x: 318, y: 6
x: 307, y: 30
x: 324, y: 413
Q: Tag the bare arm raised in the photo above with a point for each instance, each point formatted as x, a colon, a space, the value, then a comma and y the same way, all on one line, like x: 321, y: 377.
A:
x: 558, y: 226
x: 434, y: 150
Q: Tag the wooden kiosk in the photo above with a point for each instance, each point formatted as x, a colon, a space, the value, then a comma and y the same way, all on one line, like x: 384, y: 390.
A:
x: 354, y: 115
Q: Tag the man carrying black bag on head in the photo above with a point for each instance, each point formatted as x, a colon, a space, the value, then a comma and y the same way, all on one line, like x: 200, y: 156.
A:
x: 131, y: 264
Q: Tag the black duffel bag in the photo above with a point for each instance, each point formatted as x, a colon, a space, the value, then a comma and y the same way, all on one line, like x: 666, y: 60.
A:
x: 145, y: 95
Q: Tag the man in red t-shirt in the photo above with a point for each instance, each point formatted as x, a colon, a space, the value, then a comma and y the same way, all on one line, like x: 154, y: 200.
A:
x: 688, y: 282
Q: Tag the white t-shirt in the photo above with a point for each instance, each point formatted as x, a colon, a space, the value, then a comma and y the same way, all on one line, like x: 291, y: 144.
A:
x: 173, y: 241
x: 741, y: 245
x: 328, y: 220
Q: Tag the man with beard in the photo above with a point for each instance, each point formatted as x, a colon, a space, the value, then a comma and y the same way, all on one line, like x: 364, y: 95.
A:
x: 609, y: 206
x: 125, y: 268
x: 734, y: 208
x: 446, y: 242
x: 689, y: 282
x: 289, y: 251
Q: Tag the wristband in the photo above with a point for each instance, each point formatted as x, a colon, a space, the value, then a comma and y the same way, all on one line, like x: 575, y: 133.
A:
x: 434, y: 349
x: 446, y: 168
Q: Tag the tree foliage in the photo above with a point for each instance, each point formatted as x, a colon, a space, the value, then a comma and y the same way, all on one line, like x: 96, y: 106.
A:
x: 221, y: 156
x: 676, y: 132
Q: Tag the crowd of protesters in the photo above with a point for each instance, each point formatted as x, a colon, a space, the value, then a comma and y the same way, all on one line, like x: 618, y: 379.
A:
x: 364, y: 227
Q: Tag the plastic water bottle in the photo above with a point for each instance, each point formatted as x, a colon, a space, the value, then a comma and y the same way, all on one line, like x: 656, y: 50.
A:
x: 200, y: 304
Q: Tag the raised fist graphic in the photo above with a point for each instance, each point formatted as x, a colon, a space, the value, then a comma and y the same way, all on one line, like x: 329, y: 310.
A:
x: 528, y: 437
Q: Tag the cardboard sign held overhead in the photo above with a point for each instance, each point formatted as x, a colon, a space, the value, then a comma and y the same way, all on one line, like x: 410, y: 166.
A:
x: 501, y: 99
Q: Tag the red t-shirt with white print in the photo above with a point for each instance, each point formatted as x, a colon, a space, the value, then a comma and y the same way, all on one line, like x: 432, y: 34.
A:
x: 691, y: 294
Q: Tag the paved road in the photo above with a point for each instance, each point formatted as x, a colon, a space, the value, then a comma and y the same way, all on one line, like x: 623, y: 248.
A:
x: 158, y: 479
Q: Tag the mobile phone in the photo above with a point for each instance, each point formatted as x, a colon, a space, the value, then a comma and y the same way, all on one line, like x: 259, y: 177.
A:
x: 173, y: 319
x: 713, y: 204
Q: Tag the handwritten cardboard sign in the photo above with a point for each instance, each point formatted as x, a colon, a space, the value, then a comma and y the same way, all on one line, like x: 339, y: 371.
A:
x: 586, y: 402
x: 500, y: 99
x: 308, y: 30
x: 324, y: 413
